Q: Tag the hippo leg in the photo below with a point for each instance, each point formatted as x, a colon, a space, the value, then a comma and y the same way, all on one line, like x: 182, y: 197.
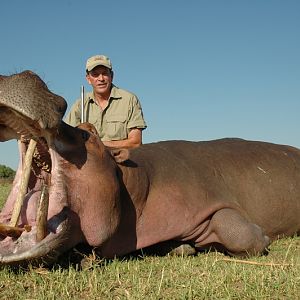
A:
x: 236, y: 234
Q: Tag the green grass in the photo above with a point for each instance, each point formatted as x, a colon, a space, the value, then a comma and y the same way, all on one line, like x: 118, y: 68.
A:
x: 4, y: 191
x: 205, y: 276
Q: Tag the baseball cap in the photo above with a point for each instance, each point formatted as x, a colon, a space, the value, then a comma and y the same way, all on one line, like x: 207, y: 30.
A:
x: 98, y: 60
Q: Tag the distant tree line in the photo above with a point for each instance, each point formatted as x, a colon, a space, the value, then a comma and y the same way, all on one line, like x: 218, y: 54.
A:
x: 6, y: 172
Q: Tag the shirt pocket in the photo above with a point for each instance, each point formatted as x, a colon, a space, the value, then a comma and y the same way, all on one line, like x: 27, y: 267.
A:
x: 116, y: 127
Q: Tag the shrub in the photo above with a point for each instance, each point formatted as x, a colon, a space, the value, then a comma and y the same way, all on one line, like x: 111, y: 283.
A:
x: 6, y: 172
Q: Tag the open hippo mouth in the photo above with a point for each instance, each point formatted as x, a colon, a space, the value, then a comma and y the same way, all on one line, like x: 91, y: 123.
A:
x: 36, y: 222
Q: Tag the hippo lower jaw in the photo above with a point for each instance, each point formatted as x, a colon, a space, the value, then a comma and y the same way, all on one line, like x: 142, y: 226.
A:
x: 22, y: 245
x: 27, y: 251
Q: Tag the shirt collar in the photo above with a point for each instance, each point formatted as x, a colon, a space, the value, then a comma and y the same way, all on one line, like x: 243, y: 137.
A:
x: 115, y: 93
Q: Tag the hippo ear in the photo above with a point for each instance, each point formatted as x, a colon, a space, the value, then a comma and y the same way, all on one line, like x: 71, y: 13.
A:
x: 120, y: 155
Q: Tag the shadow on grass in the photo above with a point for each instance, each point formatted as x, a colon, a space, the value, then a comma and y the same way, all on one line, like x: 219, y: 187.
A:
x: 83, y: 257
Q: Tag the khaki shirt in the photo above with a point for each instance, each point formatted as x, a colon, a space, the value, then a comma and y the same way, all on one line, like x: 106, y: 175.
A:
x: 123, y: 113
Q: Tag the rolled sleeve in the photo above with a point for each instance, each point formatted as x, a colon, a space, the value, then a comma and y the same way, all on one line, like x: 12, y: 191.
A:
x: 136, y: 119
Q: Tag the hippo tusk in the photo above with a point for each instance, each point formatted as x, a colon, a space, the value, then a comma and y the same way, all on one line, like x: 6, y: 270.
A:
x: 42, y: 214
x: 15, y: 232
x: 24, y: 184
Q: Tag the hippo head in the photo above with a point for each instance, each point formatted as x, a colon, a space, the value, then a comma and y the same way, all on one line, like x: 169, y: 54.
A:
x: 41, y: 217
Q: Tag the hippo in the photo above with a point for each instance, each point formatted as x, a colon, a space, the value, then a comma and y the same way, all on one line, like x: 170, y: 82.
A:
x: 231, y: 195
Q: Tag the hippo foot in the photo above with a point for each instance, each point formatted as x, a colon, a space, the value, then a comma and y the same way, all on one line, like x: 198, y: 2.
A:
x: 183, y: 250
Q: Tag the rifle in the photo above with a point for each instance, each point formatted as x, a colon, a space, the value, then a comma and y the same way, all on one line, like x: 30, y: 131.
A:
x: 82, y: 105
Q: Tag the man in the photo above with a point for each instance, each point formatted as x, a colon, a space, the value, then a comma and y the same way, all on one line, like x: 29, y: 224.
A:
x: 116, y: 113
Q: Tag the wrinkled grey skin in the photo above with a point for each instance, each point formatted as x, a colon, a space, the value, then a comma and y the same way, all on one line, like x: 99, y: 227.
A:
x: 234, y: 195
x: 40, y: 108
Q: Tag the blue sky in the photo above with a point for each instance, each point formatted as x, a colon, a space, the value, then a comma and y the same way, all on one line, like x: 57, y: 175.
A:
x: 202, y: 69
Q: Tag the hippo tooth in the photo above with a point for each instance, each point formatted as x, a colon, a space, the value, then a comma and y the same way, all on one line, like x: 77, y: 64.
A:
x: 6, y: 230
x: 42, y: 214
x: 24, y: 183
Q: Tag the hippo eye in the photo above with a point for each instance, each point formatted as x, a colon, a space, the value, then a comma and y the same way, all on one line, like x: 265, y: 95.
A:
x: 85, y: 135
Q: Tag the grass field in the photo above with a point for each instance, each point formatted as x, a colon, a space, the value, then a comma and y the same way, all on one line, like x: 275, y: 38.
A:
x: 205, y: 276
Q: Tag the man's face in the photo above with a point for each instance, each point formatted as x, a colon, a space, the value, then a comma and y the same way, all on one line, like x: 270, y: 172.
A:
x: 101, y: 79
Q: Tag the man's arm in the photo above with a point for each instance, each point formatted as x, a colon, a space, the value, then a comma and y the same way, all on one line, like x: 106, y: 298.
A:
x: 134, y: 140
